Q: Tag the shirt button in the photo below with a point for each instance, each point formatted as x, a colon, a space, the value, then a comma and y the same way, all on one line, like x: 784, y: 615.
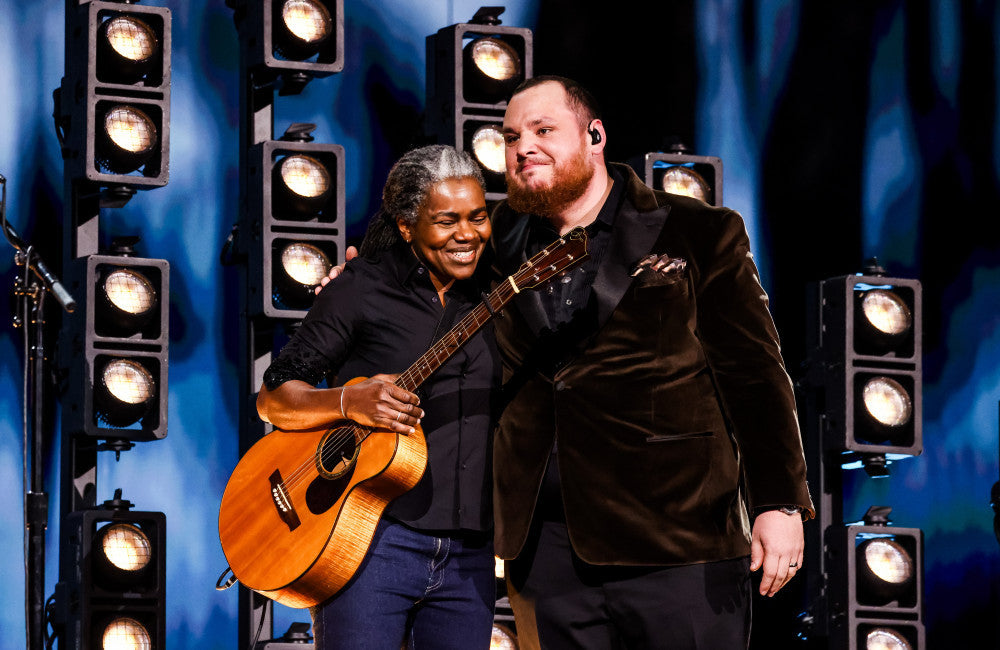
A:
x: 420, y: 270
x: 569, y: 301
x: 434, y: 299
x: 560, y: 385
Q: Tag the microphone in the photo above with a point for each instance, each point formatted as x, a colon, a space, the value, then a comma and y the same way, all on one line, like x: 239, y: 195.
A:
x: 38, y: 265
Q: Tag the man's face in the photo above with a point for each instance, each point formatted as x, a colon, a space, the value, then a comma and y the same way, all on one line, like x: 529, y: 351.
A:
x: 549, y: 164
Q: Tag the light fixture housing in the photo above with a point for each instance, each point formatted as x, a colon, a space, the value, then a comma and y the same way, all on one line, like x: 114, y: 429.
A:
x: 120, y: 325
x: 681, y: 173
x: 883, y: 593
x: 112, y: 588
x: 114, y: 103
x: 295, y: 196
x: 471, y: 70
x: 865, y: 350
x: 292, y: 42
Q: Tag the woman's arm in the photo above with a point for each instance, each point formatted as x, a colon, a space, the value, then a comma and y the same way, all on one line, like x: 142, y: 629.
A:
x: 374, y: 402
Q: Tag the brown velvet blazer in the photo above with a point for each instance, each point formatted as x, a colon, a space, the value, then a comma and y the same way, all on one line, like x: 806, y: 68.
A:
x: 676, y: 411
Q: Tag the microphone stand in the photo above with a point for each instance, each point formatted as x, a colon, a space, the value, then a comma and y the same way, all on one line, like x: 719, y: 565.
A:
x: 30, y: 295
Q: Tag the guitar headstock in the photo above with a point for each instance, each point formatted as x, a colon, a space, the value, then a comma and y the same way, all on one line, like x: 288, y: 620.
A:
x: 559, y: 256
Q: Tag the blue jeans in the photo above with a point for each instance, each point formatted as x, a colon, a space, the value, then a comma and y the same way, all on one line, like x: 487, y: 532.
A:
x: 427, y: 591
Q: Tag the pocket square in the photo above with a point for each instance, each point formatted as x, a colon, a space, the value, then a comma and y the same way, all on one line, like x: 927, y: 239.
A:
x: 659, y: 269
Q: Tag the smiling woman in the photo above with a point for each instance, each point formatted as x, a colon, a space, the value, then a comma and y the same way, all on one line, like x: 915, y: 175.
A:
x: 451, y: 229
x: 415, y: 278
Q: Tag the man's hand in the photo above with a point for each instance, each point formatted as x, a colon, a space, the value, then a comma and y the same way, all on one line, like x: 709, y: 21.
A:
x: 379, y: 402
x: 349, y: 254
x: 777, y: 546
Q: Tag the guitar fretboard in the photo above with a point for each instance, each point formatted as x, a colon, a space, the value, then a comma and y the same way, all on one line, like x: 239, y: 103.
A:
x: 455, y: 338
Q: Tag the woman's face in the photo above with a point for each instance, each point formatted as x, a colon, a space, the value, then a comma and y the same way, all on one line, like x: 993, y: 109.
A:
x: 451, y: 231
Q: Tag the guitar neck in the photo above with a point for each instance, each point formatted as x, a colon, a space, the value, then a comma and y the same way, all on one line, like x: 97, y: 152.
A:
x: 456, y: 337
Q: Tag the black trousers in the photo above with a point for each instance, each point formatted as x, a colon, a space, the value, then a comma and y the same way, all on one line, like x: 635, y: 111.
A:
x: 561, y: 602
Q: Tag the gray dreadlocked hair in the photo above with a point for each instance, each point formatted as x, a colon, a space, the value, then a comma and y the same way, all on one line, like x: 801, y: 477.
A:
x: 406, y: 187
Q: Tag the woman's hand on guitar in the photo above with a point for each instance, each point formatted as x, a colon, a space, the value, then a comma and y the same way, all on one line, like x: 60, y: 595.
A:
x: 378, y: 402
x: 349, y: 255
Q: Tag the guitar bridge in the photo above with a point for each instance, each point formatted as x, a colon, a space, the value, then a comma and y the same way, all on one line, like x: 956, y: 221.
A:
x: 282, y: 502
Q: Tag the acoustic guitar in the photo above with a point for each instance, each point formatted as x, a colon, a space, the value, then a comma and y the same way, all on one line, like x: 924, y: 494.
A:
x: 300, y: 509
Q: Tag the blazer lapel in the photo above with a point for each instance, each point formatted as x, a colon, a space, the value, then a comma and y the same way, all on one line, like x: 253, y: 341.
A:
x: 633, y: 236
x: 510, y: 250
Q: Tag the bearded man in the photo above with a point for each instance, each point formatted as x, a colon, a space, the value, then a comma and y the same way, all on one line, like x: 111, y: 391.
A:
x: 649, y: 419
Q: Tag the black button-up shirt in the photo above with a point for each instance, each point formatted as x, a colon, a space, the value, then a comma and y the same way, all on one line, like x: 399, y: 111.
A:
x: 379, y: 316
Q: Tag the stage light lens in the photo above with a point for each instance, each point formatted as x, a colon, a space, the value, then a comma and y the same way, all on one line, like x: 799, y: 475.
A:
x: 887, y: 312
x: 885, y: 639
x: 308, y: 21
x: 126, y: 547
x: 305, y: 263
x: 495, y: 59
x: 131, y: 38
x: 502, y: 638
x: 888, y: 561
x: 887, y: 401
x: 126, y: 634
x: 128, y: 381
x: 684, y: 181
x: 130, y: 129
x: 488, y: 148
x: 130, y: 292
x: 305, y: 176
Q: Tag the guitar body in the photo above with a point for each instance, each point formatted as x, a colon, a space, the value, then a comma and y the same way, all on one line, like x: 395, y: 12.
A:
x: 297, y: 518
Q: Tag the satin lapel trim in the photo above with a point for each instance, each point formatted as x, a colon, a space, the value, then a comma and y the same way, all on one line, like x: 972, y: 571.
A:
x: 632, y: 238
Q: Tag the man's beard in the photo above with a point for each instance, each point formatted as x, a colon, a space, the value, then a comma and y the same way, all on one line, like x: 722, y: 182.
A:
x: 569, y: 182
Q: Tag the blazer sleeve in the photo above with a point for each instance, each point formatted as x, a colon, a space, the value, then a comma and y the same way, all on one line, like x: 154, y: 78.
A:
x: 743, y: 350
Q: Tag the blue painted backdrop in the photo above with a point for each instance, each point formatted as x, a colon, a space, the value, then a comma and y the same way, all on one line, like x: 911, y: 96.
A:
x: 846, y: 132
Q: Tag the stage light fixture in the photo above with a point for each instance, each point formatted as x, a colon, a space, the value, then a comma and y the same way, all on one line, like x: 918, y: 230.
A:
x: 884, y: 638
x: 866, y: 356
x: 487, y: 147
x: 301, y: 186
x: 114, y: 104
x: 296, y: 203
x: 127, y: 48
x: 291, y: 42
x: 112, y: 589
x: 677, y: 172
x: 116, y: 347
x: 876, y: 584
x: 471, y: 70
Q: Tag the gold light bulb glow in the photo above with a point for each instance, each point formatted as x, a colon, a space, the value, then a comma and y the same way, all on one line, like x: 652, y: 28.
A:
x: 305, y: 176
x: 886, y: 311
x: 304, y: 263
x: 684, y: 181
x: 309, y: 21
x: 131, y: 38
x: 886, y: 639
x: 126, y: 546
x: 128, y: 381
x: 126, y: 634
x: 889, y: 561
x: 130, y: 129
x: 130, y: 291
x: 488, y: 147
x: 887, y: 401
x: 496, y: 59
x: 502, y: 639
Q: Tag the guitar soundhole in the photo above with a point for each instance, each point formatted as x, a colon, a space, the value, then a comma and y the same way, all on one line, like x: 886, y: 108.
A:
x: 338, y: 451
